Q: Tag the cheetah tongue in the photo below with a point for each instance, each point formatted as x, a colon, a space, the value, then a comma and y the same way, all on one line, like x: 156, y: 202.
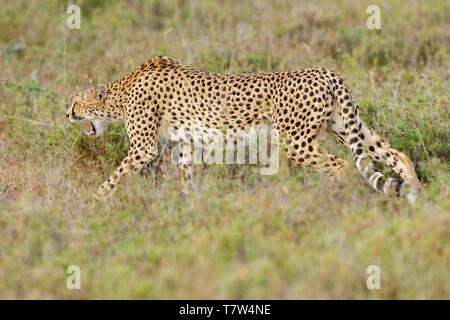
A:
x: 90, y: 133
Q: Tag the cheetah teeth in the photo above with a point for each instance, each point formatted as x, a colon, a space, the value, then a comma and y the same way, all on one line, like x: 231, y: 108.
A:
x: 90, y: 133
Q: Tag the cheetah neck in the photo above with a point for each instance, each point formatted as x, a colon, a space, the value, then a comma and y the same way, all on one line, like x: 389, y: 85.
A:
x: 118, y: 95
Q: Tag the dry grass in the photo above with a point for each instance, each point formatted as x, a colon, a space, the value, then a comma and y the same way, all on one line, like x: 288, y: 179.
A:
x: 241, y: 235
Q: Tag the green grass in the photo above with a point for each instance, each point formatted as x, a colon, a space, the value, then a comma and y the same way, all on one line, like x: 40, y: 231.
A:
x: 239, y: 235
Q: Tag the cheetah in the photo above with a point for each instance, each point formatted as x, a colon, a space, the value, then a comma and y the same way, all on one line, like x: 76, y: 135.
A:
x: 163, y: 96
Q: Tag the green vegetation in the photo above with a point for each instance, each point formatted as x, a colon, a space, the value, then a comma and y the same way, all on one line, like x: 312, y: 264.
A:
x: 239, y: 235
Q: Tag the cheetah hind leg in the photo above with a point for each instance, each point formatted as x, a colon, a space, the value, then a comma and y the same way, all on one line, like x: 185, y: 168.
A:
x: 309, y: 154
x: 185, y: 170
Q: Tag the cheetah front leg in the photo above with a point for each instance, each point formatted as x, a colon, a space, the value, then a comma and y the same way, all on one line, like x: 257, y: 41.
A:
x: 133, y: 162
x: 143, y: 148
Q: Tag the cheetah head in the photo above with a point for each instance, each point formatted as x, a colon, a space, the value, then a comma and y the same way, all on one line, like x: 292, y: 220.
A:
x: 92, y: 105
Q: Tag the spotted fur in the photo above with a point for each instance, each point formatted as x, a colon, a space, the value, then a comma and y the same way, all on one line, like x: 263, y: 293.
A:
x: 162, y: 97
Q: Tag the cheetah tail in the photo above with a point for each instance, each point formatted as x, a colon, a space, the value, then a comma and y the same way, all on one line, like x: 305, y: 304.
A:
x: 357, y: 133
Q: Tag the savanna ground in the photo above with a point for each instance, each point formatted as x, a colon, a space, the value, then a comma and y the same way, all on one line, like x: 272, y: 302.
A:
x: 241, y: 234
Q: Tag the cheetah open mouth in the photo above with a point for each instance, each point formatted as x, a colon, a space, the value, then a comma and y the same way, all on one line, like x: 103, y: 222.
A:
x: 92, y: 131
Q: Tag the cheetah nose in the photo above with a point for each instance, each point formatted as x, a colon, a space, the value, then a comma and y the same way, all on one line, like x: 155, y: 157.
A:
x: 67, y: 115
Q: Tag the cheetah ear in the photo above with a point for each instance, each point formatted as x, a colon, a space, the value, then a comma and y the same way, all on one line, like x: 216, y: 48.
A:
x: 101, y: 92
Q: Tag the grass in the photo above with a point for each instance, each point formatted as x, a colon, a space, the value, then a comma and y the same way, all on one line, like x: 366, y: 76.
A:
x: 240, y: 235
